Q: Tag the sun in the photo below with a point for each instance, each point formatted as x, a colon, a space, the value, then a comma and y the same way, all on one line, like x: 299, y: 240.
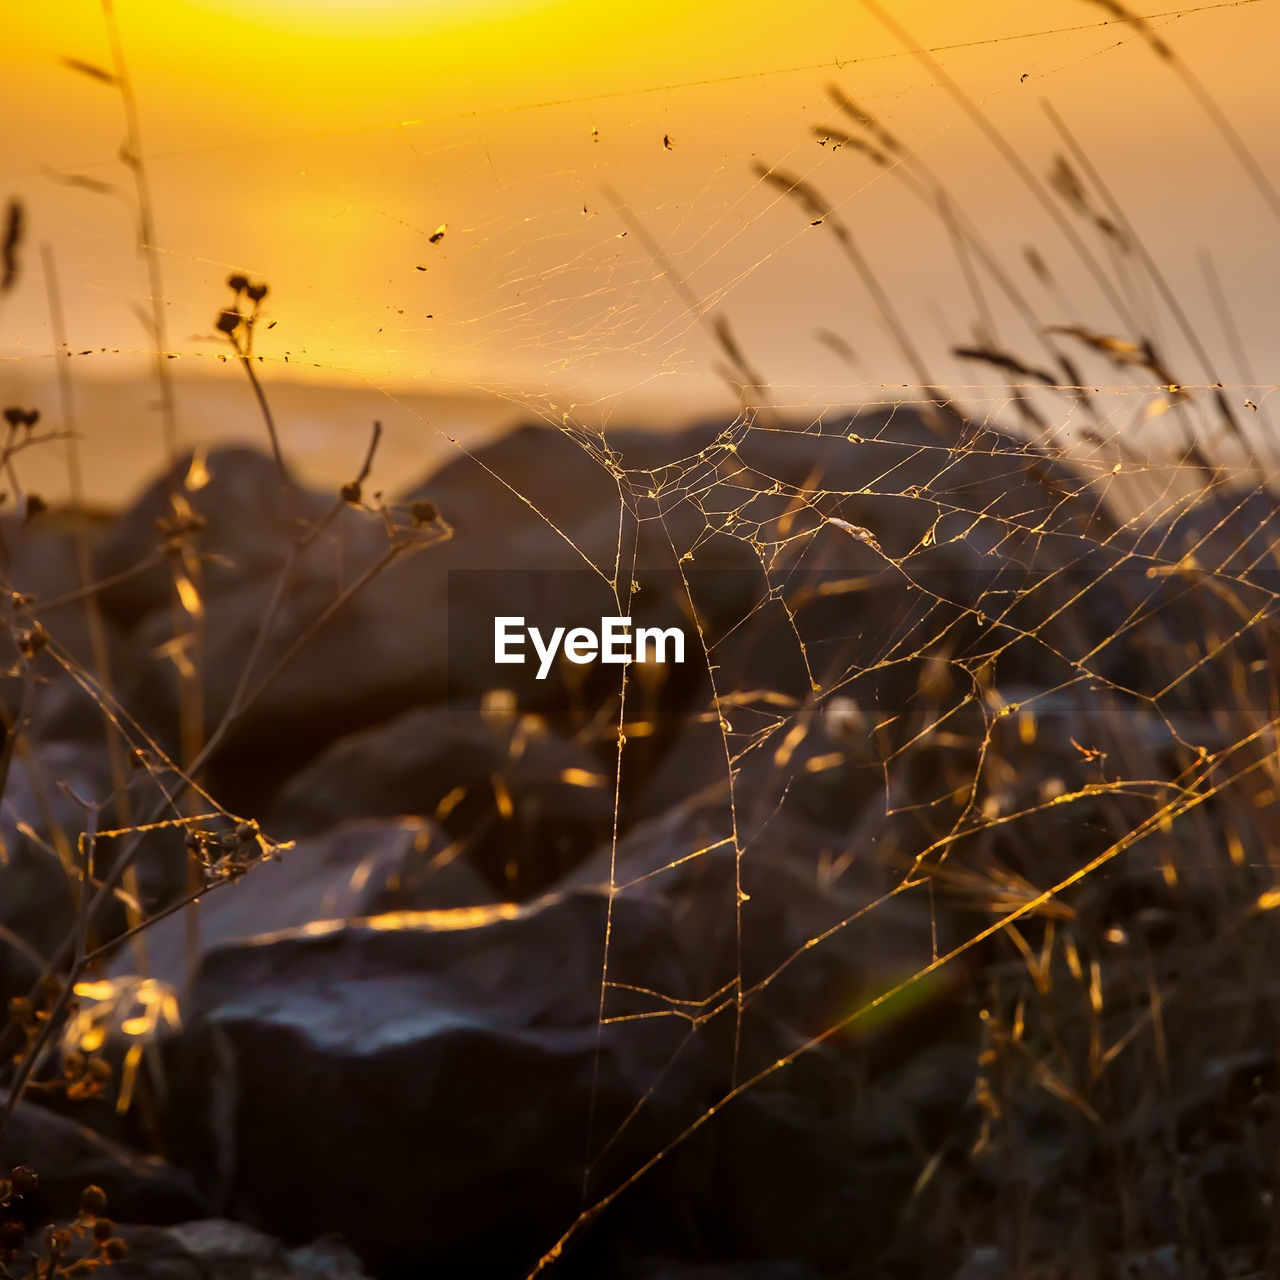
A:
x: 354, y: 16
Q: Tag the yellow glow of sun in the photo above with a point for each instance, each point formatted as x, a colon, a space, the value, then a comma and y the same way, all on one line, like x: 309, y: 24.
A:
x: 364, y: 16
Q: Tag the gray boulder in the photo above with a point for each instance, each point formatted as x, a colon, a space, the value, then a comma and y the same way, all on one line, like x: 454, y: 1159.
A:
x: 355, y: 870
x: 430, y: 1086
x: 524, y: 804
x: 68, y: 1157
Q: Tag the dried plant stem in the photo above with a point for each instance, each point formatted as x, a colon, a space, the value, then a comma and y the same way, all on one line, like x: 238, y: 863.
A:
x: 244, y: 700
x: 146, y: 228
x: 1153, y: 270
x: 84, y: 562
x: 1008, y: 154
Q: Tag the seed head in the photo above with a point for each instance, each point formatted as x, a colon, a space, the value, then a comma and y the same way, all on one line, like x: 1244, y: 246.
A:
x: 93, y: 1200
x: 33, y: 641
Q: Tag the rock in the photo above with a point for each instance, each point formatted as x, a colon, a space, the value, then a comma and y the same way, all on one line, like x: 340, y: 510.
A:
x: 763, y: 1269
x: 818, y: 933
x: 215, y: 1249
x: 387, y: 649
x: 37, y: 912
x: 358, y: 869
x: 893, y: 468
x: 457, y: 1063
x: 851, y: 660
x: 156, y: 1254
x: 1168, y: 1262
x: 407, y: 639
x: 325, y: 1258
x: 524, y: 804
x: 862, y: 634
x: 68, y: 1157
x: 859, y: 678
x: 43, y: 560
x: 237, y: 494
x: 232, y: 1251
x: 530, y: 476
x: 239, y: 538
x: 1232, y: 1186
x: 985, y: 1263
x: 462, y: 1072
x: 1232, y: 532
x: 20, y: 967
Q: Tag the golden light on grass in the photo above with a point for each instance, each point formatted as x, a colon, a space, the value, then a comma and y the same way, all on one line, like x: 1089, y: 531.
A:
x: 582, y: 778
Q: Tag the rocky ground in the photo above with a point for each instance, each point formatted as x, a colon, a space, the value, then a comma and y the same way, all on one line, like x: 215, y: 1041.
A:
x: 921, y: 927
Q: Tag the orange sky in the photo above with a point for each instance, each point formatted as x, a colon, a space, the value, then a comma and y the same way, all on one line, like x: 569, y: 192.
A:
x: 319, y: 144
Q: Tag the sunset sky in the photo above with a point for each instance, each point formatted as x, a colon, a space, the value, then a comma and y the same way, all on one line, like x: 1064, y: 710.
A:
x: 568, y: 149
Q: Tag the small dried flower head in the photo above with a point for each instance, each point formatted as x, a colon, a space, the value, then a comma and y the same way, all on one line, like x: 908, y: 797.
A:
x: 33, y: 641
x: 229, y: 321
x: 350, y: 492
x: 179, y: 525
x: 115, y: 1249
x: 423, y: 512
x: 25, y: 1182
x: 30, y: 418
x: 36, y: 505
x: 246, y: 831
x: 59, y: 1240
x: 237, y: 282
x: 93, y: 1200
x: 14, y: 416
x: 256, y: 292
x: 103, y: 1229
